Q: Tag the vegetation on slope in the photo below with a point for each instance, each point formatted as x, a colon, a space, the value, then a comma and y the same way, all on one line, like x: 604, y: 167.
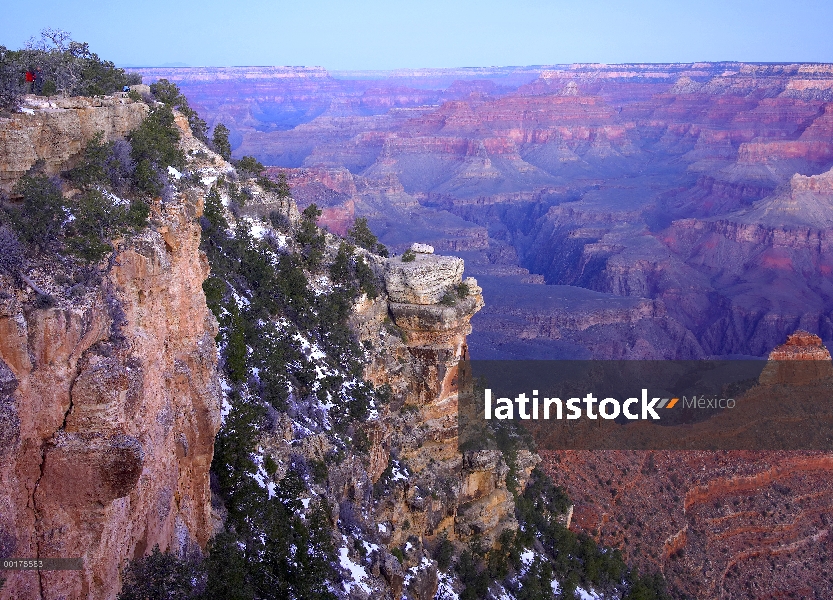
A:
x: 526, y: 562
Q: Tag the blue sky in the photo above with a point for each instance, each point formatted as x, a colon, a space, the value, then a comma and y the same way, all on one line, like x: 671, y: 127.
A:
x: 376, y: 34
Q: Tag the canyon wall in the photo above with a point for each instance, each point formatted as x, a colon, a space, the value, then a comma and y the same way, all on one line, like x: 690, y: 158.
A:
x: 586, y: 176
x: 110, y: 398
x: 730, y: 524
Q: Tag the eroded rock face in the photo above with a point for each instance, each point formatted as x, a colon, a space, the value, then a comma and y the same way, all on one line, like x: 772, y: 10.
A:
x: 55, y: 130
x: 423, y: 280
x: 109, y: 405
x: 801, y: 346
x: 448, y: 493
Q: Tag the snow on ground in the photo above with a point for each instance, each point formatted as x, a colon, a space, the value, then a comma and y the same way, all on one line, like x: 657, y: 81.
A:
x: 321, y: 285
x: 117, y: 201
x: 585, y: 595
x: 261, y: 476
x: 39, y: 103
x: 256, y: 228
x: 357, y: 572
x: 317, y: 356
x: 504, y: 595
x: 445, y: 591
x: 174, y: 173
x: 241, y: 301
x: 27, y: 111
x: 413, y: 571
x: 398, y: 473
x: 556, y: 587
x: 225, y: 405
x: 370, y: 548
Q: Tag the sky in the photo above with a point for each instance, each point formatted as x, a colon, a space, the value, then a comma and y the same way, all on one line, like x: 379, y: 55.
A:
x: 392, y: 34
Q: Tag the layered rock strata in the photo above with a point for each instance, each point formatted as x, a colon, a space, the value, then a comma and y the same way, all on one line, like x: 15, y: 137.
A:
x: 55, y: 130
x: 452, y: 493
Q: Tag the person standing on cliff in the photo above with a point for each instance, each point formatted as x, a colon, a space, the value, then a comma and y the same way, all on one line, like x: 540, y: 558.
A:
x: 30, y: 80
x: 38, y: 81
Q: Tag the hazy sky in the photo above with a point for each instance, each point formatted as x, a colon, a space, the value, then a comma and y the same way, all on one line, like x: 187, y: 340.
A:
x: 387, y: 34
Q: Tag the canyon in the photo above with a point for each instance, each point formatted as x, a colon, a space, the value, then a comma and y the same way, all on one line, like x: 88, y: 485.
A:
x: 581, y: 211
x: 717, y: 524
x: 607, y: 211
x: 655, y: 201
x: 112, y: 393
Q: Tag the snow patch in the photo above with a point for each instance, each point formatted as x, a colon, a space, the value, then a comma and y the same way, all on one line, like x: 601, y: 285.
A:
x: 398, y: 473
x: 257, y: 229
x: 174, y: 173
x: 585, y: 595
x: 357, y: 572
x: 445, y: 591
x: 262, y: 478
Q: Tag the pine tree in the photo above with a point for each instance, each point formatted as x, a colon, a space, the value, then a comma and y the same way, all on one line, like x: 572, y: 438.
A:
x: 221, y: 142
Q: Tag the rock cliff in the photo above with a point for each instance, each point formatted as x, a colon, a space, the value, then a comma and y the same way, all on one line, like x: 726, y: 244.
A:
x: 110, y: 398
x: 55, y: 130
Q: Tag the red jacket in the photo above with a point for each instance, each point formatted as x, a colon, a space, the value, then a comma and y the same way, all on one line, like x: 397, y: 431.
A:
x: 30, y: 76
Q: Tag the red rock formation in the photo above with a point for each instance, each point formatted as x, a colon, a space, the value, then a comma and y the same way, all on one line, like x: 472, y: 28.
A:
x: 591, y: 174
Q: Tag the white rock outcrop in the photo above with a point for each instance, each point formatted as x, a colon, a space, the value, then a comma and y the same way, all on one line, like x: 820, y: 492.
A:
x: 422, y: 248
x: 423, y: 280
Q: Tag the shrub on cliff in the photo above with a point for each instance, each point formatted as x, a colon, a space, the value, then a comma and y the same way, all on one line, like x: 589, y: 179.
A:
x: 11, y: 253
x: 110, y: 164
x: 361, y: 235
x: 220, y: 141
x: 249, y: 165
x: 155, y: 147
x: 283, y: 189
x: 169, y: 94
x: 68, y: 67
x: 163, y: 576
x: 47, y: 223
x: 575, y: 558
x: 38, y: 220
x: 310, y: 238
x: 11, y: 83
x: 71, y: 68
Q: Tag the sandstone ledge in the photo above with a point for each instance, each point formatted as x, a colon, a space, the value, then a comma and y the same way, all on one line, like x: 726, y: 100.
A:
x: 435, y: 317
